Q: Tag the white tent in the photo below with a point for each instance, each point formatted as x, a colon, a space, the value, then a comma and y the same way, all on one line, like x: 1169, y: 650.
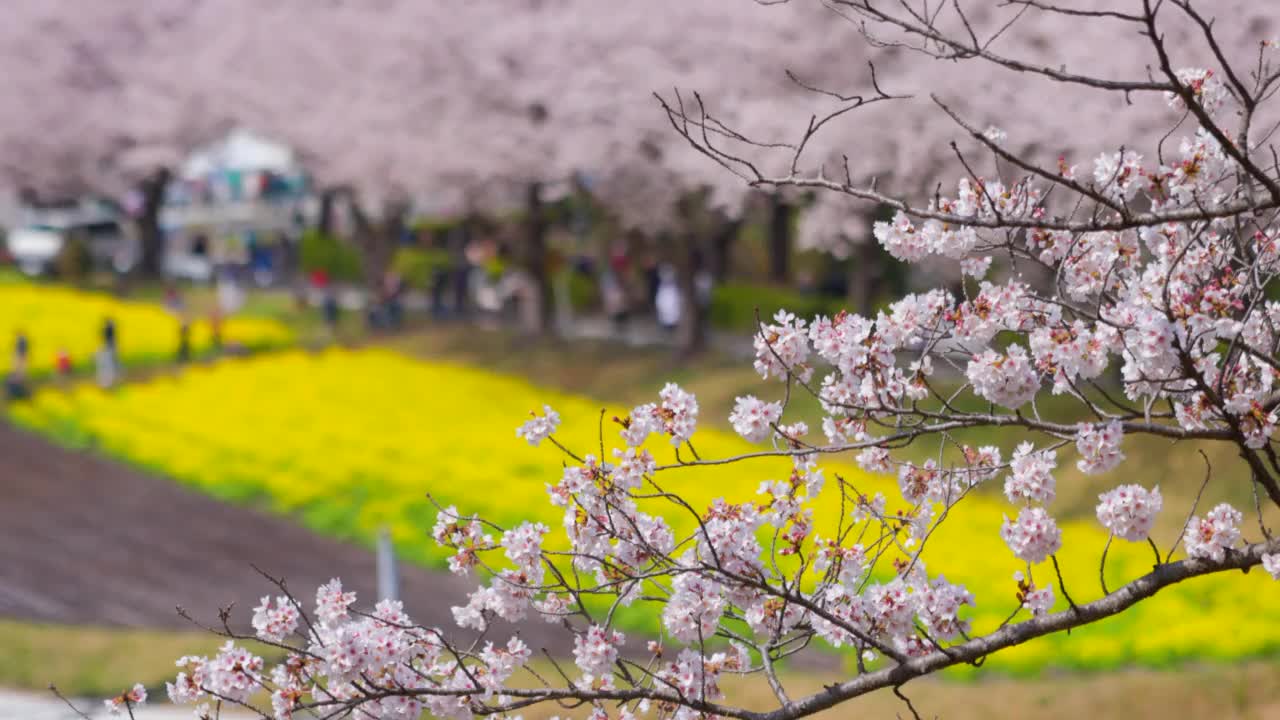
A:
x: 241, y: 150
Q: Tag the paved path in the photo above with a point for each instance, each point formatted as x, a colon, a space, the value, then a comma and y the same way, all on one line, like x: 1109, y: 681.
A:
x: 84, y: 540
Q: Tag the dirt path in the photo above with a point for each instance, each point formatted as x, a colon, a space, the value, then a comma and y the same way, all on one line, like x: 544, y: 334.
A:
x: 84, y: 540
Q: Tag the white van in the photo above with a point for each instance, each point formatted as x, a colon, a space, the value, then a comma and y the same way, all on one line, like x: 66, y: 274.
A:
x: 35, y: 248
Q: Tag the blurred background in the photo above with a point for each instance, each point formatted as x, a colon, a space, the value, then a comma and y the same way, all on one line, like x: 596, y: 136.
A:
x: 273, y: 273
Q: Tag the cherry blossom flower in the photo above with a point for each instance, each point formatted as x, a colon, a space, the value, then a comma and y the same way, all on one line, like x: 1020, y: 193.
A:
x: 275, y: 623
x: 1039, y: 601
x: 539, y: 427
x: 126, y: 700
x: 782, y: 348
x: 678, y: 413
x: 1033, y: 537
x: 1129, y: 511
x: 596, y: 650
x: 1099, y: 447
x: 1210, y: 538
x: 1271, y: 563
x: 1031, y: 475
x: 1009, y: 379
x: 753, y: 418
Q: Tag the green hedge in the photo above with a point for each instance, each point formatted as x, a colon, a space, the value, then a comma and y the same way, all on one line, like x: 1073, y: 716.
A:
x: 319, y: 251
x: 418, y: 266
x: 733, y: 305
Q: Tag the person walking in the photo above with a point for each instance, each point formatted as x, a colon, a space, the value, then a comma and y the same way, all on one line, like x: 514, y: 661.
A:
x: 614, y: 298
x: 330, y: 310
x: 184, y: 342
x: 15, y: 381
x: 215, y: 330
x: 21, y: 352
x: 667, y: 301
x: 107, y: 359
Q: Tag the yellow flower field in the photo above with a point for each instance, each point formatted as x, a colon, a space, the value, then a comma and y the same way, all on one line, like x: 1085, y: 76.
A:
x: 351, y: 441
x: 59, y: 318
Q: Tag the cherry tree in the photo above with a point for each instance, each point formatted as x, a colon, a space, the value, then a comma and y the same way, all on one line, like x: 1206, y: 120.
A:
x: 904, y: 145
x: 1158, y: 320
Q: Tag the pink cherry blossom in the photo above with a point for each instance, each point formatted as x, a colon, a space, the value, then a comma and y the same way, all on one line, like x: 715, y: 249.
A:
x: 1033, y: 537
x: 753, y: 418
x: 1210, y: 537
x: 1271, y: 563
x: 1129, y: 511
x: 1031, y: 475
x: 539, y: 427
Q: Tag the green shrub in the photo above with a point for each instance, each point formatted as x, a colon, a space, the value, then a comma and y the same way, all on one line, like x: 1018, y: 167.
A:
x: 319, y: 251
x: 418, y: 266
x: 74, y: 262
x: 584, y: 291
x: 733, y: 305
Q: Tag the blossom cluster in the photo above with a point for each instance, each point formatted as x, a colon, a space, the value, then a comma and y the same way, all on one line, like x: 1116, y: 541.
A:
x: 1129, y: 511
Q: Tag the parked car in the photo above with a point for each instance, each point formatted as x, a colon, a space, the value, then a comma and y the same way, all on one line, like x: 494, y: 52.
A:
x: 35, y: 248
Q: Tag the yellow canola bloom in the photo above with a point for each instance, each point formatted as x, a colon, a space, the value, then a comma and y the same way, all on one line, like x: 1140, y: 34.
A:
x: 348, y: 442
x: 59, y: 318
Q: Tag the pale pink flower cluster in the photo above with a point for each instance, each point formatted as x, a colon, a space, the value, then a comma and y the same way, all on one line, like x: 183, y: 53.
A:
x: 1098, y: 262
x: 539, y: 427
x: 1210, y: 538
x: 848, y: 563
x: 678, y: 413
x: 976, y: 267
x: 938, y: 608
x: 696, y: 676
x: 233, y: 673
x: 1033, y: 537
x: 512, y: 591
x: 464, y: 535
x: 1118, y: 175
x: 596, y: 650
x: 1030, y: 475
x: 1205, y: 87
x: 1129, y: 511
x: 1038, y: 600
x: 928, y: 482
x: 695, y: 607
x: 1271, y: 563
x: 782, y: 348
x: 640, y: 424
x: 631, y: 466
x: 1099, y: 446
x: 1009, y: 379
x: 1069, y: 353
x: 753, y: 419
x: 332, y: 603
x: 125, y: 701
x: 875, y: 459
x: 981, y: 464
x: 275, y: 623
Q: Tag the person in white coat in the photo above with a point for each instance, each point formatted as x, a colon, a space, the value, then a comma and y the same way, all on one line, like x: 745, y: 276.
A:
x: 667, y: 302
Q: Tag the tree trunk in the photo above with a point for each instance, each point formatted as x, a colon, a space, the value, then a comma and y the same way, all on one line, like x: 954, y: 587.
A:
x: 150, y: 235
x: 377, y: 240
x: 779, y: 238
x: 691, y: 334
x: 542, y: 317
x: 328, y: 202
x: 721, y: 247
x: 864, y: 277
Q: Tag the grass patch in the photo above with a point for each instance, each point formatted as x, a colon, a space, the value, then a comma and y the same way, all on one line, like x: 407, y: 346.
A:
x: 95, y: 661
